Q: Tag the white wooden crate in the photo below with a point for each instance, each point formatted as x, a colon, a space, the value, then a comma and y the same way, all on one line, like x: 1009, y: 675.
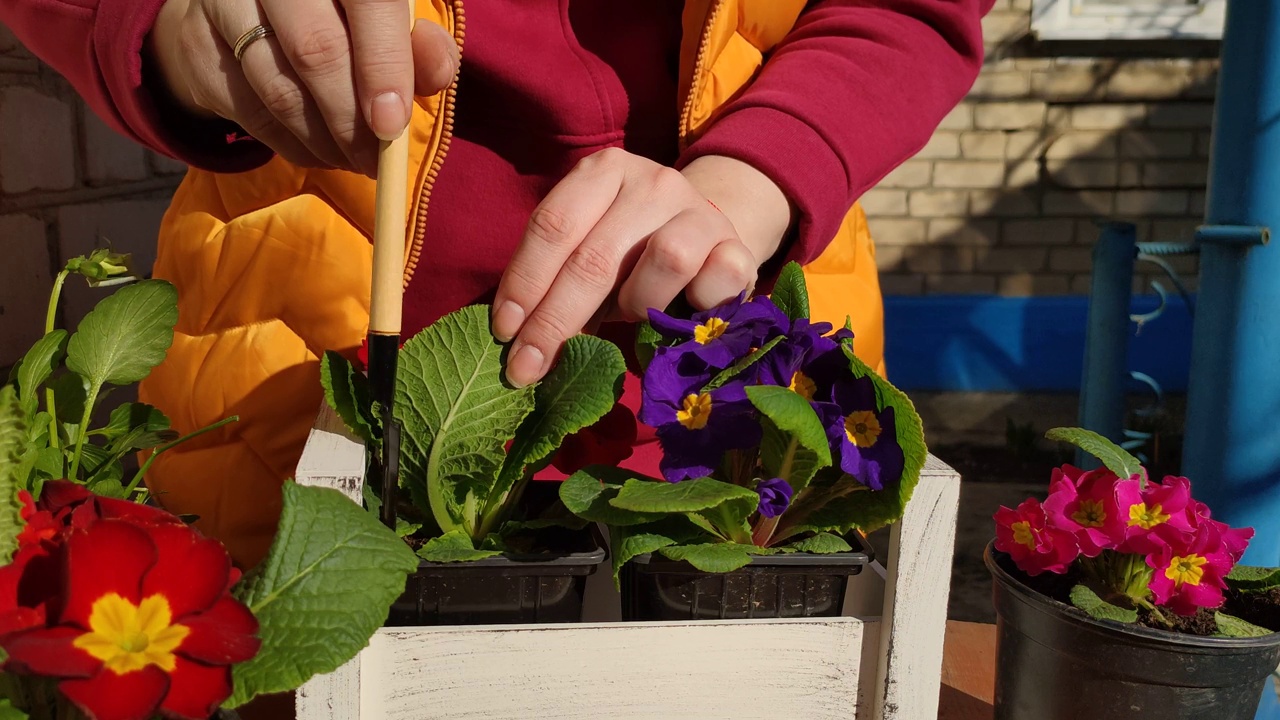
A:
x: 883, y: 659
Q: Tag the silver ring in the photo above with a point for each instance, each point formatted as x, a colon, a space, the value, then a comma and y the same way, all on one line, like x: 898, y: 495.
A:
x: 252, y: 35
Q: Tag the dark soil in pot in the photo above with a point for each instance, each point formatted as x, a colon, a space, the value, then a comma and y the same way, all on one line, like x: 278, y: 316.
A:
x: 544, y: 585
x: 1054, y: 662
x: 772, y: 586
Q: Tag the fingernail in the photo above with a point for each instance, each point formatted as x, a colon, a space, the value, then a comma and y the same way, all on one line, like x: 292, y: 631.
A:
x: 525, y: 367
x: 507, y: 321
x: 388, y: 115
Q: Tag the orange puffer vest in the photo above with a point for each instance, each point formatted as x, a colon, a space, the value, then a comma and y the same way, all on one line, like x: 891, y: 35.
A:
x: 272, y: 268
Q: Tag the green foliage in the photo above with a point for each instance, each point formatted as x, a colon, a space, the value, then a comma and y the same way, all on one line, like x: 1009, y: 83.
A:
x: 647, y: 341
x: 326, y: 585
x: 582, y: 387
x: 1083, y: 597
x: 590, y: 495
x: 795, y: 444
x: 742, y: 365
x: 1115, y: 458
x: 790, y: 293
x: 457, y: 413
x: 721, y: 557
x: 9, y: 712
x: 453, y: 546
x: 821, y: 544
x: 12, y: 435
x: 38, y: 365
x: 628, y: 543
x: 347, y: 392
x: 697, y: 495
x: 1233, y: 627
x: 1246, y: 578
x: 126, y: 335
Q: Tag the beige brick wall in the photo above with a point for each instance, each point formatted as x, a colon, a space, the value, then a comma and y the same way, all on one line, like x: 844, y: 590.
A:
x: 67, y: 184
x: 1004, y: 197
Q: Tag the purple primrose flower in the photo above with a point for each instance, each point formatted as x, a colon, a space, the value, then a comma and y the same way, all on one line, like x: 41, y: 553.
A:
x: 695, y: 428
x: 724, y: 334
x: 809, y: 361
x: 775, y: 496
x: 863, y: 438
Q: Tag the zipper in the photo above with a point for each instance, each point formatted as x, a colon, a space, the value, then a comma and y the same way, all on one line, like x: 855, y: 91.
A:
x: 695, y: 86
x: 459, y: 22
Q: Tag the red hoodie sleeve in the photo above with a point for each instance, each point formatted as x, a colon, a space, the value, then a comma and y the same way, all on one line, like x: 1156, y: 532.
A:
x: 98, y: 46
x: 856, y: 88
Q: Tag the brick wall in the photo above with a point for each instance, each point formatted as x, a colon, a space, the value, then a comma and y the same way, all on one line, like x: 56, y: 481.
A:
x: 1003, y: 199
x: 67, y: 184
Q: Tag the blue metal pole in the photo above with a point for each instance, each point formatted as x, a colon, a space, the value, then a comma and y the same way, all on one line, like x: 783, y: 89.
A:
x: 1106, y: 340
x: 1232, y: 443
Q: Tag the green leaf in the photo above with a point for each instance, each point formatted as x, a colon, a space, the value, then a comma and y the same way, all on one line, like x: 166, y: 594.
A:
x: 100, y: 465
x: 1087, y: 600
x: 795, y: 444
x: 9, y: 712
x: 70, y: 395
x: 456, y: 412
x: 130, y: 416
x: 324, y: 589
x: 1115, y: 458
x: 742, y: 365
x: 49, y: 461
x: 822, y: 544
x: 588, y: 494
x: 126, y: 335
x: 347, y: 392
x: 516, y: 526
x: 110, y: 487
x: 405, y: 528
x: 13, y: 438
x: 582, y: 387
x: 1233, y: 627
x: 712, y: 557
x: 655, y: 496
x: 626, y: 544
x: 453, y: 546
x: 37, y: 367
x: 790, y: 293
x: 1247, y: 578
x: 647, y: 342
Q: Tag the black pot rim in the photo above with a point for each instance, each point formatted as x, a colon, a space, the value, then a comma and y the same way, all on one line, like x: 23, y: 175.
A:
x: 597, y: 555
x: 1136, y: 632
x: 862, y: 554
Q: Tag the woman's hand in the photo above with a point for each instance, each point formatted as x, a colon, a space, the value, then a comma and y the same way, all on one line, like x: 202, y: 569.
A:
x: 621, y: 234
x: 334, y: 77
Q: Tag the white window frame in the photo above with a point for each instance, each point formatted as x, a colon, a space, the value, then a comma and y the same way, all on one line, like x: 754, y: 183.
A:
x: 1104, y: 20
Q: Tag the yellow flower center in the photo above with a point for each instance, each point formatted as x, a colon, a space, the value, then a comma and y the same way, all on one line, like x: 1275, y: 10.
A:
x: 696, y: 412
x: 1090, y: 514
x: 1147, y: 517
x: 1023, y: 534
x: 862, y: 427
x: 128, y: 637
x: 710, y: 330
x: 803, y: 386
x: 1186, y: 570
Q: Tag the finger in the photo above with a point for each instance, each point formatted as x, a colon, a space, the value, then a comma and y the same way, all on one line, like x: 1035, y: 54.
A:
x: 218, y: 85
x: 436, y: 58
x: 278, y: 87
x: 556, y: 229
x: 383, y: 62
x: 673, y: 256
x: 729, y: 269
x: 315, y: 41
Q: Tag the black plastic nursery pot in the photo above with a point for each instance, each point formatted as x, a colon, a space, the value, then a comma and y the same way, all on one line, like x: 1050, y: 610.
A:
x: 1054, y: 662
x: 771, y: 586
x: 509, y: 588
